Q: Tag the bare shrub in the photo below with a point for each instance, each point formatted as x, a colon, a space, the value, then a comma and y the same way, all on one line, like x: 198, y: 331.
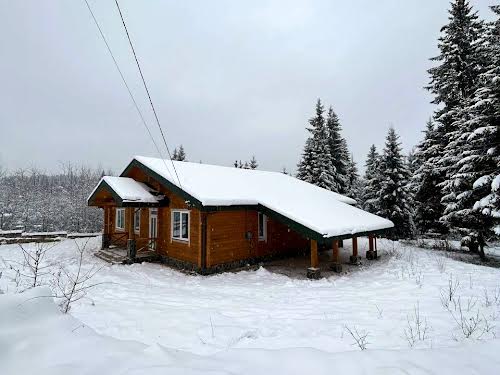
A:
x: 447, y: 294
x: 471, y: 325
x: 72, y: 286
x: 29, y: 273
x: 487, y: 301
x: 416, y: 328
x: 360, y: 338
x: 440, y: 263
x: 393, y: 249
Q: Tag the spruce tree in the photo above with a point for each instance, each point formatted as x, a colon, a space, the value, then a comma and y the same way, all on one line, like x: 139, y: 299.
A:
x: 452, y: 82
x: 473, y: 199
x: 371, y: 185
x: 485, y: 131
x: 426, y: 194
x: 394, y: 196
x: 338, y: 153
x: 175, y: 154
x: 316, y: 165
x: 253, y: 163
x: 181, y: 156
x: 354, y: 184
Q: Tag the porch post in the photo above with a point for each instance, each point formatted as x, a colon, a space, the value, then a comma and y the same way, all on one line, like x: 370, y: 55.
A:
x: 313, y: 272
x: 106, y: 230
x: 335, y: 265
x: 354, y: 257
x: 370, y: 254
x: 131, y: 245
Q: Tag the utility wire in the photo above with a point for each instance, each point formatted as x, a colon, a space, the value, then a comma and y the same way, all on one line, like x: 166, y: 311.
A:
x: 125, y: 83
x: 147, y: 90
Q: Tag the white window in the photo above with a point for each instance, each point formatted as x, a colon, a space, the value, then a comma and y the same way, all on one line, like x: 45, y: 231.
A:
x: 120, y: 218
x: 137, y: 220
x: 262, y: 227
x: 180, y: 225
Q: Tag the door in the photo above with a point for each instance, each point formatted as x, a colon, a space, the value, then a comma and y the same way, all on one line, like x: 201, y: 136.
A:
x: 153, y: 227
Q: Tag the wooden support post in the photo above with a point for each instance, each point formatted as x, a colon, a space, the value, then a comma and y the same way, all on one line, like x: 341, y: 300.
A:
x: 131, y: 244
x: 354, y: 257
x: 335, y: 265
x: 370, y: 254
x: 131, y: 233
x: 313, y: 272
x: 314, y: 254
x: 335, y: 251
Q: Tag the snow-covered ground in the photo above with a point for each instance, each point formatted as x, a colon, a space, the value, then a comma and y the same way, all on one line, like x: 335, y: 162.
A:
x: 147, y: 318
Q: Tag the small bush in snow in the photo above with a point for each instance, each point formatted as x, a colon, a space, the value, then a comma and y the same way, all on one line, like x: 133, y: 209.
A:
x: 440, y: 263
x: 360, y: 338
x: 72, y: 286
x: 417, y: 328
x: 448, y: 293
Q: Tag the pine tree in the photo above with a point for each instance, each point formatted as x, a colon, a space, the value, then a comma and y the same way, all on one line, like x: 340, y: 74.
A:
x: 485, y: 131
x: 473, y: 200
x: 316, y: 166
x: 354, y: 184
x: 181, y: 156
x: 175, y: 154
x: 394, y: 197
x: 426, y: 193
x: 371, y: 187
x: 452, y: 82
x: 253, y: 163
x: 338, y: 152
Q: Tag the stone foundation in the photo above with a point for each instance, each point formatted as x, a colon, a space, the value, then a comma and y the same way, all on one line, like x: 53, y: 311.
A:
x: 335, y: 267
x: 313, y: 273
x: 355, y: 259
x: 370, y: 255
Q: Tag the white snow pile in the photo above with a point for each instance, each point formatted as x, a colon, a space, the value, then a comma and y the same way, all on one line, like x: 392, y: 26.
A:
x: 128, y: 189
x: 323, y: 211
x: 150, y: 319
x: 36, y: 338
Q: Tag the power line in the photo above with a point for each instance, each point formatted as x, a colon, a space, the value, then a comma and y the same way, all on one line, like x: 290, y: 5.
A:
x: 125, y: 83
x: 147, y: 90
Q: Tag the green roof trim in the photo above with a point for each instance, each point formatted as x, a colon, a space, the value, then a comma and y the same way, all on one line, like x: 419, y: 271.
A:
x: 165, y: 182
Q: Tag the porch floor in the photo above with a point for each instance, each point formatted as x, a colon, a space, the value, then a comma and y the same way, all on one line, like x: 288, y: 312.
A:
x: 118, y: 255
x: 296, y: 266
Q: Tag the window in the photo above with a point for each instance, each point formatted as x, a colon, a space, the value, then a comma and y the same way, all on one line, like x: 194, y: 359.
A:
x: 137, y: 220
x: 180, y: 225
x: 120, y: 218
x: 262, y: 227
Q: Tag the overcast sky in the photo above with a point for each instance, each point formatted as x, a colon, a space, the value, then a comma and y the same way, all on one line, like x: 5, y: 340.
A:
x: 230, y: 79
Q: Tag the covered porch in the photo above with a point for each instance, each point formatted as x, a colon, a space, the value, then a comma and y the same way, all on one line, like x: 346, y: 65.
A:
x: 351, y: 251
x: 128, y: 238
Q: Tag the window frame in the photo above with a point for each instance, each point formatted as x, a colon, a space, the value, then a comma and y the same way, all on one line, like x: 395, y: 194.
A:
x: 137, y: 220
x: 262, y: 218
x: 180, y: 238
x: 120, y: 211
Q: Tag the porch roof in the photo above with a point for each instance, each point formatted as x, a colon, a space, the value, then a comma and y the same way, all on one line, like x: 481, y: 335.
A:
x: 124, y: 191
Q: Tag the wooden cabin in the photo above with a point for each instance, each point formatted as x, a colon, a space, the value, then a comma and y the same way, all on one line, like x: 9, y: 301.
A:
x: 210, y: 218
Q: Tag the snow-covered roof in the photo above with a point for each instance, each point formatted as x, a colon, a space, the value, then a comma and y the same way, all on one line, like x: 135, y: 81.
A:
x: 128, y: 189
x: 324, y: 212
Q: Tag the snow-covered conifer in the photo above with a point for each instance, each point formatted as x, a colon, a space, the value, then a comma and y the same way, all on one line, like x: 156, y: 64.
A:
x: 394, y: 196
x: 371, y: 185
